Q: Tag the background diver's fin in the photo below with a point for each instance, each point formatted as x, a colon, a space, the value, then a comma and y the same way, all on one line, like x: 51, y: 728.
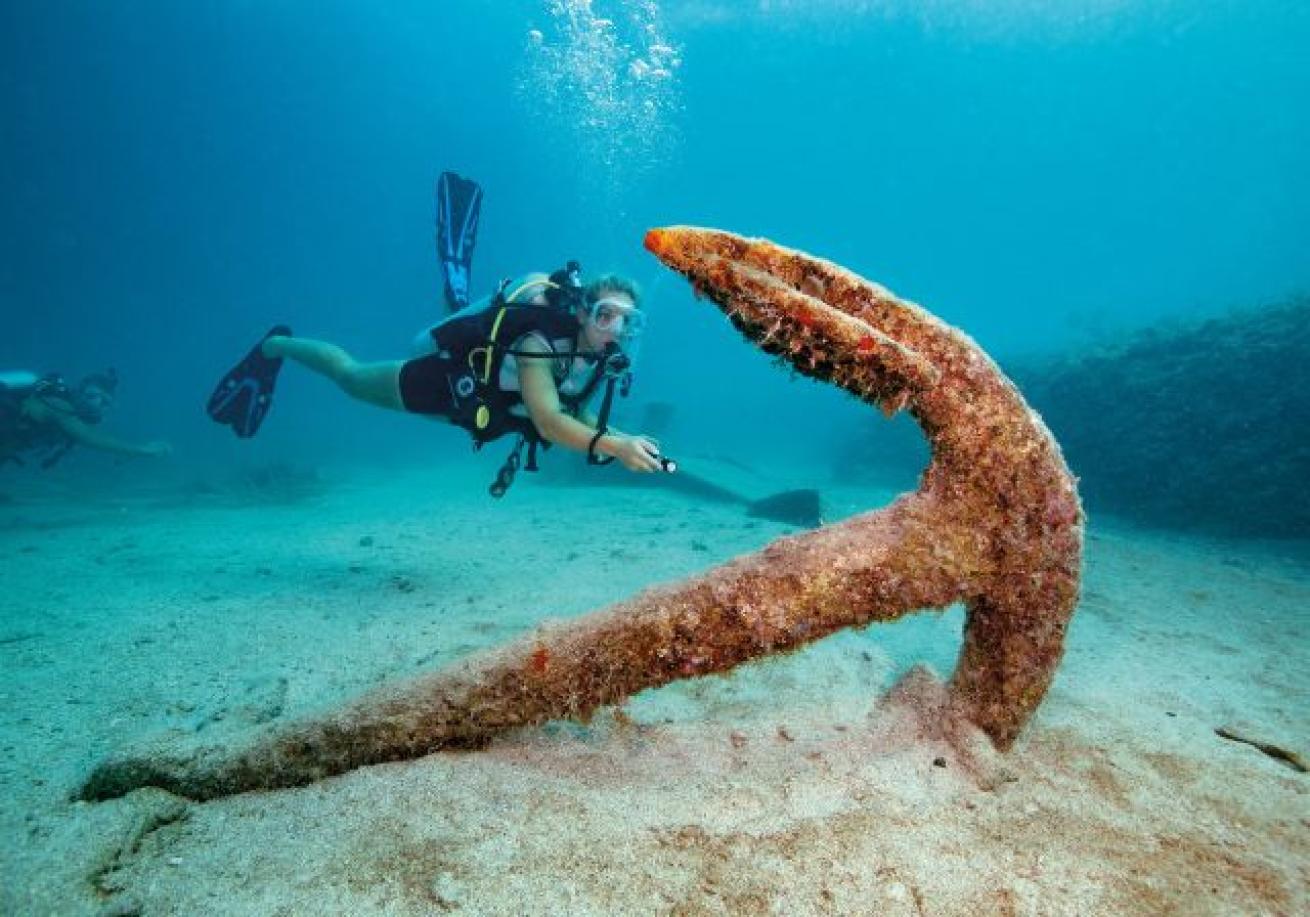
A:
x: 459, y: 203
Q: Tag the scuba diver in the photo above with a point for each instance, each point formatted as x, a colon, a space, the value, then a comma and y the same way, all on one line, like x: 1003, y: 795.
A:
x: 525, y: 361
x: 44, y: 417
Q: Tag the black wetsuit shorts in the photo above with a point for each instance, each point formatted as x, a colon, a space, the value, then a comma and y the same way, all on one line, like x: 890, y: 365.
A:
x: 429, y: 385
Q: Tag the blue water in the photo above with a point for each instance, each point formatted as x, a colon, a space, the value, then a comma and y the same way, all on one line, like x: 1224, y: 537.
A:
x: 179, y: 176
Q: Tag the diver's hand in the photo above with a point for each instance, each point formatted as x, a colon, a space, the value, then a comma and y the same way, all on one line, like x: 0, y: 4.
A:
x: 637, y: 453
x: 157, y: 449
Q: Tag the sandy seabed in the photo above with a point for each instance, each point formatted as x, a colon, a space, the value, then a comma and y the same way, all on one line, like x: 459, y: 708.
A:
x: 784, y: 788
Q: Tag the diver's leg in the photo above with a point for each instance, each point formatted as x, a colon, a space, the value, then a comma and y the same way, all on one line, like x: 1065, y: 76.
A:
x: 375, y: 383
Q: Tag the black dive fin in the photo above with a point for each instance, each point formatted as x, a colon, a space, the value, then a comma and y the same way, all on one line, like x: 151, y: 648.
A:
x: 245, y: 394
x: 459, y: 203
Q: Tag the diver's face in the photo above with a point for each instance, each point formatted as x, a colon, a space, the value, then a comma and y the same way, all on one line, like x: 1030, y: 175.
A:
x: 611, y: 319
x: 96, y: 400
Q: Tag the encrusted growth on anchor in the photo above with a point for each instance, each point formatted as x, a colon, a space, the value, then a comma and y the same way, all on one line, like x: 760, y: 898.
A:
x: 997, y: 502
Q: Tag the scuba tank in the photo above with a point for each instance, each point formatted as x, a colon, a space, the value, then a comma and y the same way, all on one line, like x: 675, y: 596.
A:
x: 15, y: 380
x: 18, y: 434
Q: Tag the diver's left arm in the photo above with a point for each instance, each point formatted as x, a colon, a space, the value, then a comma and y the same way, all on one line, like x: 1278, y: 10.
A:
x: 84, y: 434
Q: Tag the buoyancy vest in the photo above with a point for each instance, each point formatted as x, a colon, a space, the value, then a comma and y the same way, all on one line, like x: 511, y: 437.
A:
x: 477, y: 340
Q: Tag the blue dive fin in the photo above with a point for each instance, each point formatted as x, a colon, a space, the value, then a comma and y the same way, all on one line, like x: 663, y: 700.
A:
x: 459, y: 203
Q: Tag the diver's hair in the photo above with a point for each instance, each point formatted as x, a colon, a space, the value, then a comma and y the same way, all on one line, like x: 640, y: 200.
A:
x: 611, y: 283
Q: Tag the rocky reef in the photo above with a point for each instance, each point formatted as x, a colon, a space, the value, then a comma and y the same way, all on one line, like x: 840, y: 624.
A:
x: 1202, y: 426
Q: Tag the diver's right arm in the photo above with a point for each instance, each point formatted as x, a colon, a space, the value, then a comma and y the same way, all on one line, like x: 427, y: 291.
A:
x: 541, y: 397
x: 86, y: 435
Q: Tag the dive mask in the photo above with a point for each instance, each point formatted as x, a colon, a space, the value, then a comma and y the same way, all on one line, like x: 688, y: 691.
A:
x: 619, y: 317
x: 95, y: 394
